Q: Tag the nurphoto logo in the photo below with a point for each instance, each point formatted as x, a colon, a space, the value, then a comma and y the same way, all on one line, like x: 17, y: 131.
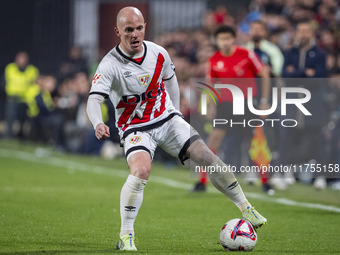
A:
x: 239, y: 104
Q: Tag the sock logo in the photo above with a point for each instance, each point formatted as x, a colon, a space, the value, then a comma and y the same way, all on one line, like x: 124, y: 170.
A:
x: 130, y: 208
x: 233, y: 185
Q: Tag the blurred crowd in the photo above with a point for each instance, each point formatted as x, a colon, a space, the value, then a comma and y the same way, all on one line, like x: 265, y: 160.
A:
x: 270, y: 29
x: 50, y: 108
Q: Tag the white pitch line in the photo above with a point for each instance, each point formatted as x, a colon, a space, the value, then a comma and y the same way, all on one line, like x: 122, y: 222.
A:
x: 289, y: 202
x: 77, y: 166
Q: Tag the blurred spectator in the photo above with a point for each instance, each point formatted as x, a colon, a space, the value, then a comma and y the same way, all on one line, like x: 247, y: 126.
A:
x: 222, y: 17
x: 74, y: 64
x: 47, y: 124
x: 244, y: 25
x: 72, y: 93
x: 305, y: 60
x: 94, y: 64
x: 269, y: 54
x: 2, y: 99
x: 274, y: 7
x: 217, y: 17
x: 19, y: 77
x: 67, y: 98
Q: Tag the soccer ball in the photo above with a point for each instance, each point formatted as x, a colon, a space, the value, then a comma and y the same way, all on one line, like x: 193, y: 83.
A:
x: 238, y: 235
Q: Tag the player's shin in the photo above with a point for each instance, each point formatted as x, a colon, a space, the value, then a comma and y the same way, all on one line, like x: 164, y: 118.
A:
x: 225, y: 181
x: 131, y: 199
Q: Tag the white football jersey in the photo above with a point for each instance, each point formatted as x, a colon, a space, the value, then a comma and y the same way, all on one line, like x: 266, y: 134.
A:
x: 136, y: 89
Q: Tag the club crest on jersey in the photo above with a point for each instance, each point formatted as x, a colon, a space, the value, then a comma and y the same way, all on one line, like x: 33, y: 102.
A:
x: 144, y: 80
x: 135, y: 139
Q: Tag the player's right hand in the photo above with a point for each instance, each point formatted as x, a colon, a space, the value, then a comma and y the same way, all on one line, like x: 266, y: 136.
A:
x: 102, y: 131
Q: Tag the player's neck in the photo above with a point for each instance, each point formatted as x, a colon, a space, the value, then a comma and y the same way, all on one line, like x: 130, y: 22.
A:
x: 229, y: 52
x: 138, y: 55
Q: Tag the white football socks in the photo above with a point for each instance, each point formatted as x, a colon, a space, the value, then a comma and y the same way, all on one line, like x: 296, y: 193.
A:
x: 226, y: 182
x: 131, y: 198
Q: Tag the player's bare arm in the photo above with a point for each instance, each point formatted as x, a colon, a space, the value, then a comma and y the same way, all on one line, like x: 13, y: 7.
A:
x: 265, y: 85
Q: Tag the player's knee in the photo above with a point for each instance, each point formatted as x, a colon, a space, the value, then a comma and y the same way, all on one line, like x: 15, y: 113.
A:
x: 140, y: 165
x: 141, y: 171
x: 201, y: 154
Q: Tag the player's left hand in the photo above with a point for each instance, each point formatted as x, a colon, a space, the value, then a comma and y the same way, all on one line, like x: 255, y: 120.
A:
x: 102, y: 131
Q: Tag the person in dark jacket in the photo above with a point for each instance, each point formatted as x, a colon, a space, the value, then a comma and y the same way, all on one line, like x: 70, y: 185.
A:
x: 305, y: 60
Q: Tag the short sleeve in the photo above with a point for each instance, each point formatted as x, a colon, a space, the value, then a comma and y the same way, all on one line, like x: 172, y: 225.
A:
x: 169, y: 67
x: 255, y: 62
x: 210, y: 72
x: 102, y: 80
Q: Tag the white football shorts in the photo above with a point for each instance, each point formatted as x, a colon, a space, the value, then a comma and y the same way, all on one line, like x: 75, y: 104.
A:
x: 174, y: 136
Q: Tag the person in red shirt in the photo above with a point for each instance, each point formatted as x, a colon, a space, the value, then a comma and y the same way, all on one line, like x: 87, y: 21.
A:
x: 233, y: 64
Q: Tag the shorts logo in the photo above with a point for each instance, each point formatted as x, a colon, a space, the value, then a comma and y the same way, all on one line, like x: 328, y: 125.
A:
x: 135, y: 139
x: 144, y: 80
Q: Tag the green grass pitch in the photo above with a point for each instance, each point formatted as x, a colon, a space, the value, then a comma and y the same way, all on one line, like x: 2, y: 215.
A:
x: 53, y: 203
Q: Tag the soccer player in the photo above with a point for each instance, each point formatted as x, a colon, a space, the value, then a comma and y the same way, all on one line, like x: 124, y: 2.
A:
x: 139, y: 78
x: 240, y: 66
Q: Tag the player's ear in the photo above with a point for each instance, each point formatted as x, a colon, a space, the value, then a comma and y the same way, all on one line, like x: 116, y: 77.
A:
x: 117, y: 31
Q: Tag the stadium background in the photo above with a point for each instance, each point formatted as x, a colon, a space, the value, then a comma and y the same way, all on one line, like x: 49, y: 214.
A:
x: 67, y: 39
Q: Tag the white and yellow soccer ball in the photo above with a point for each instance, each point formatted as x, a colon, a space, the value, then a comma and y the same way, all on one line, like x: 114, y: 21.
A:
x: 238, y: 235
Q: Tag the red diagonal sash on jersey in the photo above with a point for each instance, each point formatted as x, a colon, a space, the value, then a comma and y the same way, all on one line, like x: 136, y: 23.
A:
x: 151, y: 90
x: 162, y: 108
